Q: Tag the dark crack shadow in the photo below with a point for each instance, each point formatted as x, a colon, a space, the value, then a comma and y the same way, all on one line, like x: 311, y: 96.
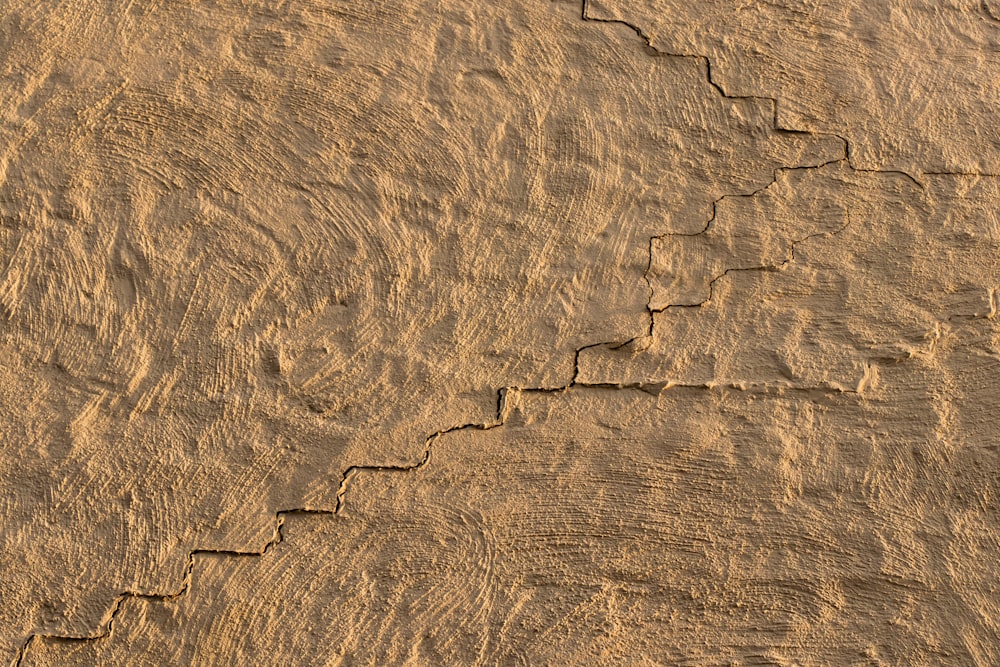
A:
x: 107, y: 626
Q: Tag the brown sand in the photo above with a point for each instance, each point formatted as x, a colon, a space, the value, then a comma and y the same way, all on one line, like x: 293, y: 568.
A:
x: 455, y: 333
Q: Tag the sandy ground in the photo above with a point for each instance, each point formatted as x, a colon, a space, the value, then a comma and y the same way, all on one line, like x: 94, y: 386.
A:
x: 526, y: 333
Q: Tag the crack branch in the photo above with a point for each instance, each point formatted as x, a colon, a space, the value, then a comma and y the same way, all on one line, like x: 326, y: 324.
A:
x: 107, y: 626
x: 767, y: 267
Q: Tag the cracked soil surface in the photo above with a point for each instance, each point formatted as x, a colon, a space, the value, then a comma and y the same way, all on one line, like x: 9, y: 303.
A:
x: 442, y: 332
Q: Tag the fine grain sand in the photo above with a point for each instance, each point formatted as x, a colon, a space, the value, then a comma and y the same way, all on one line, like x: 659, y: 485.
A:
x: 622, y: 332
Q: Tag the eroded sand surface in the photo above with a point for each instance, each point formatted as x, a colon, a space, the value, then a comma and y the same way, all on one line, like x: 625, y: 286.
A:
x: 457, y: 333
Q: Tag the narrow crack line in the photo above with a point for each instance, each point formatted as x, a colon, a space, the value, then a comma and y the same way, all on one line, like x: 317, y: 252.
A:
x: 647, y: 276
x: 776, y: 127
x: 648, y: 41
x: 778, y: 171
x: 767, y: 267
x: 428, y: 443
x: 668, y: 54
x: 971, y: 174
x: 107, y: 626
x: 503, y: 409
x: 773, y: 101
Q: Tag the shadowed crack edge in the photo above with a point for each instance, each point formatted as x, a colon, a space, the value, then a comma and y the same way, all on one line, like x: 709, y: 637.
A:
x: 107, y: 624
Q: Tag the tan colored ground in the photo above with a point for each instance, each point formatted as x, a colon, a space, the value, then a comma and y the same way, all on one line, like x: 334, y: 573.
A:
x: 465, y: 333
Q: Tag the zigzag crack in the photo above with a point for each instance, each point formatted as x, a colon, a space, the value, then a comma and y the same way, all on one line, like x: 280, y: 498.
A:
x: 767, y: 267
x: 774, y: 102
x: 107, y: 626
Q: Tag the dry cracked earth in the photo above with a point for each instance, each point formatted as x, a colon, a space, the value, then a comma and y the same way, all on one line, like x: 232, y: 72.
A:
x: 449, y: 332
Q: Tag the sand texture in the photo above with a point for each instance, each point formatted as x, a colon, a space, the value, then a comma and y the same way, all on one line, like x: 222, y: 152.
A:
x: 527, y: 333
